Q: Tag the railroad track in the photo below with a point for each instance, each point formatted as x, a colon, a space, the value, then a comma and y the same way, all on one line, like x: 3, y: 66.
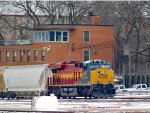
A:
x: 83, y: 99
x: 79, y: 104
x: 106, y: 100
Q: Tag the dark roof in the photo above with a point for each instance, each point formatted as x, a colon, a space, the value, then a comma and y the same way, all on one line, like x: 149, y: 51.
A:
x: 62, y: 26
x: 75, y: 25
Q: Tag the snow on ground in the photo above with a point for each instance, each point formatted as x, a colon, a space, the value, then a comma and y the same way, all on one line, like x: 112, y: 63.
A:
x: 105, y: 106
x: 132, y: 96
x: 88, y: 106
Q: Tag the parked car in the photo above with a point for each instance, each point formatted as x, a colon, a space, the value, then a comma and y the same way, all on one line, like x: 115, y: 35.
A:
x: 137, y: 87
x: 119, y: 88
x: 147, y: 89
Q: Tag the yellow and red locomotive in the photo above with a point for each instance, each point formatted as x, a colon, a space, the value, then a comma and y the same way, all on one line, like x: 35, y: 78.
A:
x: 82, y: 79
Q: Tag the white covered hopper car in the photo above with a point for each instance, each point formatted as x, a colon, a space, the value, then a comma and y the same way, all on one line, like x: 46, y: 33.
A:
x: 24, y: 81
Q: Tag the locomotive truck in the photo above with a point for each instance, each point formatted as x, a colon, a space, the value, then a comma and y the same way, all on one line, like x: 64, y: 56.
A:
x: 68, y: 79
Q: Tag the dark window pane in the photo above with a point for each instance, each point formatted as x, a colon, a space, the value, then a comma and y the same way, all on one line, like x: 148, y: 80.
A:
x: 14, y: 56
x: 86, y: 36
x: 58, y: 36
x: 43, y: 55
x: 28, y: 55
x: 86, y: 55
x: 35, y: 55
x: 65, y: 36
x: 22, y: 52
x: 52, y: 35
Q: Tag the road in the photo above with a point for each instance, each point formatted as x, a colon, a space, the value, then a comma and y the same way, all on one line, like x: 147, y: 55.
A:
x: 85, y: 105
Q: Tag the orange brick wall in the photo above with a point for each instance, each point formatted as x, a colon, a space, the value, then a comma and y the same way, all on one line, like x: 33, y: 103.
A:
x: 61, y: 51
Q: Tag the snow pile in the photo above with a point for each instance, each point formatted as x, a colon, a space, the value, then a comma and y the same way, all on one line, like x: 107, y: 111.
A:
x: 46, y: 103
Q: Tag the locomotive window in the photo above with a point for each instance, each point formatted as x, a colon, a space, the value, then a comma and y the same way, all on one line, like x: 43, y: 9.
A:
x: 94, y: 66
x: 85, y: 67
x: 76, y: 64
x: 105, y: 66
x: 54, y: 70
x: 81, y: 65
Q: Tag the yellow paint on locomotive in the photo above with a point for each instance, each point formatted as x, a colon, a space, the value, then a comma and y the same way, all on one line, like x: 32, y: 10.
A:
x: 103, y: 76
x: 69, y: 75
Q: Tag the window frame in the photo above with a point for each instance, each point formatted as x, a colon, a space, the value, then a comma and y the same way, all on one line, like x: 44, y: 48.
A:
x: 47, y: 36
x: 50, y: 37
x: 84, y: 36
x: 28, y: 55
x: 36, y: 57
x: 43, y: 56
x: 8, y: 57
x: 14, y: 56
x: 22, y: 55
x: 84, y: 55
x: 43, y: 32
x: 67, y: 36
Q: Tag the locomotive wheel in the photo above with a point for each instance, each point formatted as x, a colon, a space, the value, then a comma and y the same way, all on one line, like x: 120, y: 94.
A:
x: 56, y: 91
x: 85, y: 92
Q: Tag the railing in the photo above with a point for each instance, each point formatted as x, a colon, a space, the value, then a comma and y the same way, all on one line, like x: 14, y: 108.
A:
x: 16, y: 42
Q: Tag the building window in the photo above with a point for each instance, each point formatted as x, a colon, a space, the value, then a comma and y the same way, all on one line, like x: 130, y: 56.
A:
x: 58, y: 36
x: 28, y: 55
x: 7, y: 56
x: 0, y: 56
x: 43, y: 55
x: 43, y: 36
x: 14, y: 56
x: 86, y: 55
x: 37, y: 37
x: 47, y: 36
x: 22, y: 52
x: 35, y: 55
x: 86, y: 36
x: 52, y: 36
x: 65, y: 36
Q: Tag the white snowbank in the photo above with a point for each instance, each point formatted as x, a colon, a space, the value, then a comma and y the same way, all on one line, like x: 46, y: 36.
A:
x: 45, y: 103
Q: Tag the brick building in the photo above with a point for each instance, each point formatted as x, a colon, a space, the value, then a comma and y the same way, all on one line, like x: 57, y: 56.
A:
x: 61, y: 42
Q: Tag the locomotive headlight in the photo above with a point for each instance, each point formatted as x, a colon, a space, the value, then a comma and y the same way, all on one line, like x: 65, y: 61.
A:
x: 100, y: 74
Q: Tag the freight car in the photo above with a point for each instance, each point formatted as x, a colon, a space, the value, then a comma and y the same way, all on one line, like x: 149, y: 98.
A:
x: 76, y: 79
x: 23, y: 81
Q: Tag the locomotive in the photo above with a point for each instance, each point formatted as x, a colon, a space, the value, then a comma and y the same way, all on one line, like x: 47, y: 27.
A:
x: 82, y: 79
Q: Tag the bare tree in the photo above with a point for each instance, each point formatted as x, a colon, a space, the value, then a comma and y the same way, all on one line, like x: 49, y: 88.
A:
x: 76, y: 10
